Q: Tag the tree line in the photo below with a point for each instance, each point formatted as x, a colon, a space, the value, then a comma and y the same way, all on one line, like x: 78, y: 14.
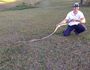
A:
x: 85, y: 2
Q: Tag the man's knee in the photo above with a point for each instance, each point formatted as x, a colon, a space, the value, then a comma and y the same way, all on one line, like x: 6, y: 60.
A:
x: 66, y: 33
x: 82, y: 29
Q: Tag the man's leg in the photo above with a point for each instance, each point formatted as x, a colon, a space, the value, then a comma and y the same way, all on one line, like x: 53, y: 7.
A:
x: 79, y: 29
x: 68, y: 30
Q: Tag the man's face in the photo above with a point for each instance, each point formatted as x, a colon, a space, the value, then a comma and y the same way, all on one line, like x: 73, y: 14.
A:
x: 75, y: 9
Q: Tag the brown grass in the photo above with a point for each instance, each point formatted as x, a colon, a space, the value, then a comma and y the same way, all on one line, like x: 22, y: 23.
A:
x: 18, y: 27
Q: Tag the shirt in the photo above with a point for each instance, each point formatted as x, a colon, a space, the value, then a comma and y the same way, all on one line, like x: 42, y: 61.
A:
x: 71, y: 16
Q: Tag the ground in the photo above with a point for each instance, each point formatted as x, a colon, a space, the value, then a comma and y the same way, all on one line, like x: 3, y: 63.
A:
x: 18, y: 27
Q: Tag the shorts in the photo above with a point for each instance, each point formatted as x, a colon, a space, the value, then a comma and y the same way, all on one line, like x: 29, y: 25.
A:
x: 76, y: 28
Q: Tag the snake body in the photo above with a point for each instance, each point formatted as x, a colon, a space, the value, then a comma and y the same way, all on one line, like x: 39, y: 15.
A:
x: 33, y: 40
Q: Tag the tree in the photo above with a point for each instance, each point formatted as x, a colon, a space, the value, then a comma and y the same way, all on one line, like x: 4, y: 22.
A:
x: 85, y: 2
x: 81, y: 2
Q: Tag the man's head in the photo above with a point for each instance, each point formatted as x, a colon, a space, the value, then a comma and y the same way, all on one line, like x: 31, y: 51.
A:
x: 76, y: 7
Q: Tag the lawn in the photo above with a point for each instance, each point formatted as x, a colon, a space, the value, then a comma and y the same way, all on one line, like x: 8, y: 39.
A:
x: 18, y: 27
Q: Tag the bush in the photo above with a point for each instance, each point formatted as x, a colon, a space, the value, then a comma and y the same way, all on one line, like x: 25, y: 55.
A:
x: 23, y: 6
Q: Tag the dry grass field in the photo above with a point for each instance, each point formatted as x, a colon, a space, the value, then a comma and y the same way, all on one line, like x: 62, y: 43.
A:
x: 18, y: 27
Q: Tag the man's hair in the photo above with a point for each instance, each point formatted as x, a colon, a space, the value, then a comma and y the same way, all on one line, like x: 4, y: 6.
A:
x: 76, y: 5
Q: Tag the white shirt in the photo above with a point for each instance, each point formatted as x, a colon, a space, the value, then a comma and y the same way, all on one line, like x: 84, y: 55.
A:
x: 71, y: 16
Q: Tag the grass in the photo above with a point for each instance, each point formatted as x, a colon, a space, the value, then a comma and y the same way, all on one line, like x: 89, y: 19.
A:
x: 55, y: 53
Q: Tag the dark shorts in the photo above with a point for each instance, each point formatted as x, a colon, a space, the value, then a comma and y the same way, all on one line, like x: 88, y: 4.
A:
x: 76, y: 28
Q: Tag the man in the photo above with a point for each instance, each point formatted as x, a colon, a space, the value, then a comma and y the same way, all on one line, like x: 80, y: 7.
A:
x: 74, y: 20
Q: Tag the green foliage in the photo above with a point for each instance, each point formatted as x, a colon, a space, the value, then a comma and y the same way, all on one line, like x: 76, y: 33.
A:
x: 23, y: 6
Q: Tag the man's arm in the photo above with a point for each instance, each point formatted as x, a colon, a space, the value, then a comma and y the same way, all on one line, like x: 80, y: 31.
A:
x: 82, y: 20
